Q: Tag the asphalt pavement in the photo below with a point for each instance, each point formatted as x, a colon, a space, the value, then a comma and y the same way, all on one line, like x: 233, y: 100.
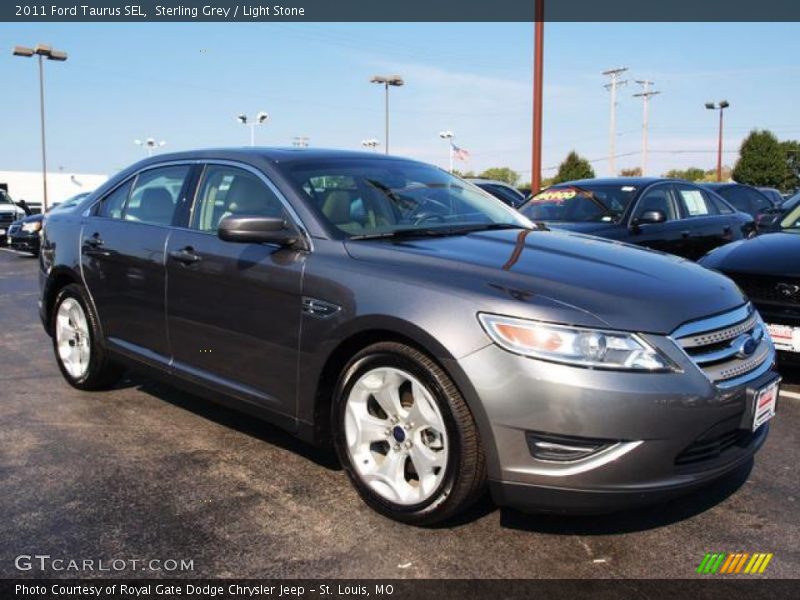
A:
x: 146, y: 472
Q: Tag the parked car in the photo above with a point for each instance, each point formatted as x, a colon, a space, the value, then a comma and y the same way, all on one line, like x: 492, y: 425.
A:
x: 24, y: 235
x: 436, y: 337
x: 671, y: 215
x: 9, y: 212
x: 774, y: 195
x: 772, y: 221
x: 747, y: 199
x: 768, y: 270
x: 501, y: 190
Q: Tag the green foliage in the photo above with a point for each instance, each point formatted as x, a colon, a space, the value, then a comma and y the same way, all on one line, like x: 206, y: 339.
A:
x: 573, y: 167
x: 690, y: 174
x: 503, y: 174
x: 791, y: 153
x: 762, y: 161
x: 633, y: 172
x: 464, y: 174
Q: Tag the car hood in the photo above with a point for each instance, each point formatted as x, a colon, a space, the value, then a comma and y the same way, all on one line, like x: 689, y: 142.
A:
x: 581, y: 227
x: 769, y: 254
x: 30, y: 219
x: 560, y: 276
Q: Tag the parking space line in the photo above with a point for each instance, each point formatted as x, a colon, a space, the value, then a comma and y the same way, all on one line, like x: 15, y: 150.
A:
x: 794, y: 395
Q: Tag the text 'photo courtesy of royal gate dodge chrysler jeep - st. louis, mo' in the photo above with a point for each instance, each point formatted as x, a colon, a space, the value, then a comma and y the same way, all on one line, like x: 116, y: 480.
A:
x: 440, y: 340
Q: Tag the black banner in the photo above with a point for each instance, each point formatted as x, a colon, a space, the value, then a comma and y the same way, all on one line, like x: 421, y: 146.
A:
x: 229, y: 589
x: 399, y: 10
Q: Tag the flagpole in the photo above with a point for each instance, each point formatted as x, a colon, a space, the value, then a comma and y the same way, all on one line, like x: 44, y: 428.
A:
x: 451, y: 157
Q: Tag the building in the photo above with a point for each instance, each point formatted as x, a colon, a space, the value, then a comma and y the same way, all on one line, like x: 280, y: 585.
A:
x: 27, y: 185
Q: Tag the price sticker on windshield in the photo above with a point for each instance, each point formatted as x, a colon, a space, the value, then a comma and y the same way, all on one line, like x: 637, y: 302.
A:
x: 558, y: 195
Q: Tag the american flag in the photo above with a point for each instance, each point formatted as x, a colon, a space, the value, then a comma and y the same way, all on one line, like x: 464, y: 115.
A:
x: 459, y: 153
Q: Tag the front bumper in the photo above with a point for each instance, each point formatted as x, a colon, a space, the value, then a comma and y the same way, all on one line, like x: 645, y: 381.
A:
x: 658, y: 425
x: 25, y: 242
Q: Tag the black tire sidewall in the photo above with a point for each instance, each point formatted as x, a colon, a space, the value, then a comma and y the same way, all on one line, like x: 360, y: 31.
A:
x: 362, y: 363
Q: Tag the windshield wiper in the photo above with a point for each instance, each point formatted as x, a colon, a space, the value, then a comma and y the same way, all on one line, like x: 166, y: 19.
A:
x: 410, y: 232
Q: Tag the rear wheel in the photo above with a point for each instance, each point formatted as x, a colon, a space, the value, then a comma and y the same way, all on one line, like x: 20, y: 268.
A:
x: 82, y: 360
x: 406, y: 437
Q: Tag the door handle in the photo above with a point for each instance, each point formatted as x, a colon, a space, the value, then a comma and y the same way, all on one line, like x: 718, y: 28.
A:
x: 93, y: 245
x: 185, y: 256
x: 686, y: 233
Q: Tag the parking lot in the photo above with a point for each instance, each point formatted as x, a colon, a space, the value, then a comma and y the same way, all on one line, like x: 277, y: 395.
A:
x: 148, y: 472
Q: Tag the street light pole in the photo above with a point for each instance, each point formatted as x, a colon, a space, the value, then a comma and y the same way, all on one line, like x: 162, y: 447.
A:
x: 261, y: 118
x: 150, y: 144
x: 723, y: 104
x: 42, y: 51
x: 386, y: 81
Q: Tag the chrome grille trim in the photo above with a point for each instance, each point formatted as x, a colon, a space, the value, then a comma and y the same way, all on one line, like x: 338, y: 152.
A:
x: 716, y: 345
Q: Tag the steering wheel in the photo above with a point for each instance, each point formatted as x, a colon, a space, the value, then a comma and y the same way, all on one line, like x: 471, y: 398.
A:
x: 428, y: 216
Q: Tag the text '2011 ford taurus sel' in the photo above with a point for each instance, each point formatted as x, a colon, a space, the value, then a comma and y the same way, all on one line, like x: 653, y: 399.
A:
x: 439, y: 339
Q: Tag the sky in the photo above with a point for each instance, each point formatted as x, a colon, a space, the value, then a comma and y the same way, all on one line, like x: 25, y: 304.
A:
x: 186, y: 82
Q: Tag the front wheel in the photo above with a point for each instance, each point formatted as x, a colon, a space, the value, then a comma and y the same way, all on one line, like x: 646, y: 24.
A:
x: 81, y: 358
x: 406, y: 437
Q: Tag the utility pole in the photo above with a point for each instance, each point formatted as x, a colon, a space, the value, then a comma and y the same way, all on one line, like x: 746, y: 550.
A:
x: 645, y: 95
x: 612, y: 128
x: 538, y: 78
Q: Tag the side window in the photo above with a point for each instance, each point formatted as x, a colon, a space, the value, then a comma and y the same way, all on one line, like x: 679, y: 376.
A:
x: 155, y: 195
x: 226, y: 191
x: 656, y: 198
x: 737, y: 198
x: 695, y: 202
x: 721, y: 207
x: 112, y: 205
x: 758, y: 201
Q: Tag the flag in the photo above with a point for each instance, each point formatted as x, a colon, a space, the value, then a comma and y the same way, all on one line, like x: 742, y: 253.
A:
x: 459, y: 153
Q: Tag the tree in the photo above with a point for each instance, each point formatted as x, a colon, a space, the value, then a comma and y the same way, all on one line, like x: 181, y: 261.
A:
x: 503, y: 174
x: 762, y: 161
x: 791, y: 153
x: 464, y: 174
x: 573, y: 167
x: 633, y: 172
x: 690, y: 174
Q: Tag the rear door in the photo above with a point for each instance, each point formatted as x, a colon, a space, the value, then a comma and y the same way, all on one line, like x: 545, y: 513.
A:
x: 706, y: 227
x: 668, y: 236
x: 122, y: 259
x: 233, y: 309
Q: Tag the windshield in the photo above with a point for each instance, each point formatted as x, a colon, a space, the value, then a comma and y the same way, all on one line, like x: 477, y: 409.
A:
x: 791, y: 202
x: 69, y: 202
x: 382, y: 198
x: 580, y: 204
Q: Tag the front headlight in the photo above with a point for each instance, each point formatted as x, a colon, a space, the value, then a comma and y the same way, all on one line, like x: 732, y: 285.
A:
x: 593, y: 348
x: 32, y: 227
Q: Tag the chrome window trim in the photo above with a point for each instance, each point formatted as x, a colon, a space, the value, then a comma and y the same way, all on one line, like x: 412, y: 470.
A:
x: 293, y: 215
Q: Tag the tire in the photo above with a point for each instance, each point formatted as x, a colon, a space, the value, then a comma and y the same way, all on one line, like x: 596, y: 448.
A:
x: 75, y: 332
x: 383, y: 455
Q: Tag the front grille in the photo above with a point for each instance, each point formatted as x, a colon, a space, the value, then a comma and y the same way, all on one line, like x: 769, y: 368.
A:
x: 6, y: 219
x: 773, y: 290
x: 712, y: 447
x: 729, y: 347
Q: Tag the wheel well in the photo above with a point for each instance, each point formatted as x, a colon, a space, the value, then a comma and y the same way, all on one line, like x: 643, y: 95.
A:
x: 55, y: 283
x: 333, y: 368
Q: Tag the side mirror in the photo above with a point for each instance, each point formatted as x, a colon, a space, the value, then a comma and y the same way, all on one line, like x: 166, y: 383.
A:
x: 257, y: 230
x: 650, y: 217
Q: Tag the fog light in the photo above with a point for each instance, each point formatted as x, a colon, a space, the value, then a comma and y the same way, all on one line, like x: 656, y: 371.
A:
x: 559, y: 448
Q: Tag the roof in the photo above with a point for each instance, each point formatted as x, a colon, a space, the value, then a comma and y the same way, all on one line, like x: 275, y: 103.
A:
x: 488, y: 181
x: 634, y: 181
x: 277, y: 154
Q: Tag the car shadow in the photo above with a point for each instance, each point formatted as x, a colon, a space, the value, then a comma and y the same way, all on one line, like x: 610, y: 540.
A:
x: 232, y: 419
x: 633, y: 520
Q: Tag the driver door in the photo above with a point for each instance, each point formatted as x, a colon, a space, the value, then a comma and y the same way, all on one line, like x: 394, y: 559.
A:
x: 671, y: 235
